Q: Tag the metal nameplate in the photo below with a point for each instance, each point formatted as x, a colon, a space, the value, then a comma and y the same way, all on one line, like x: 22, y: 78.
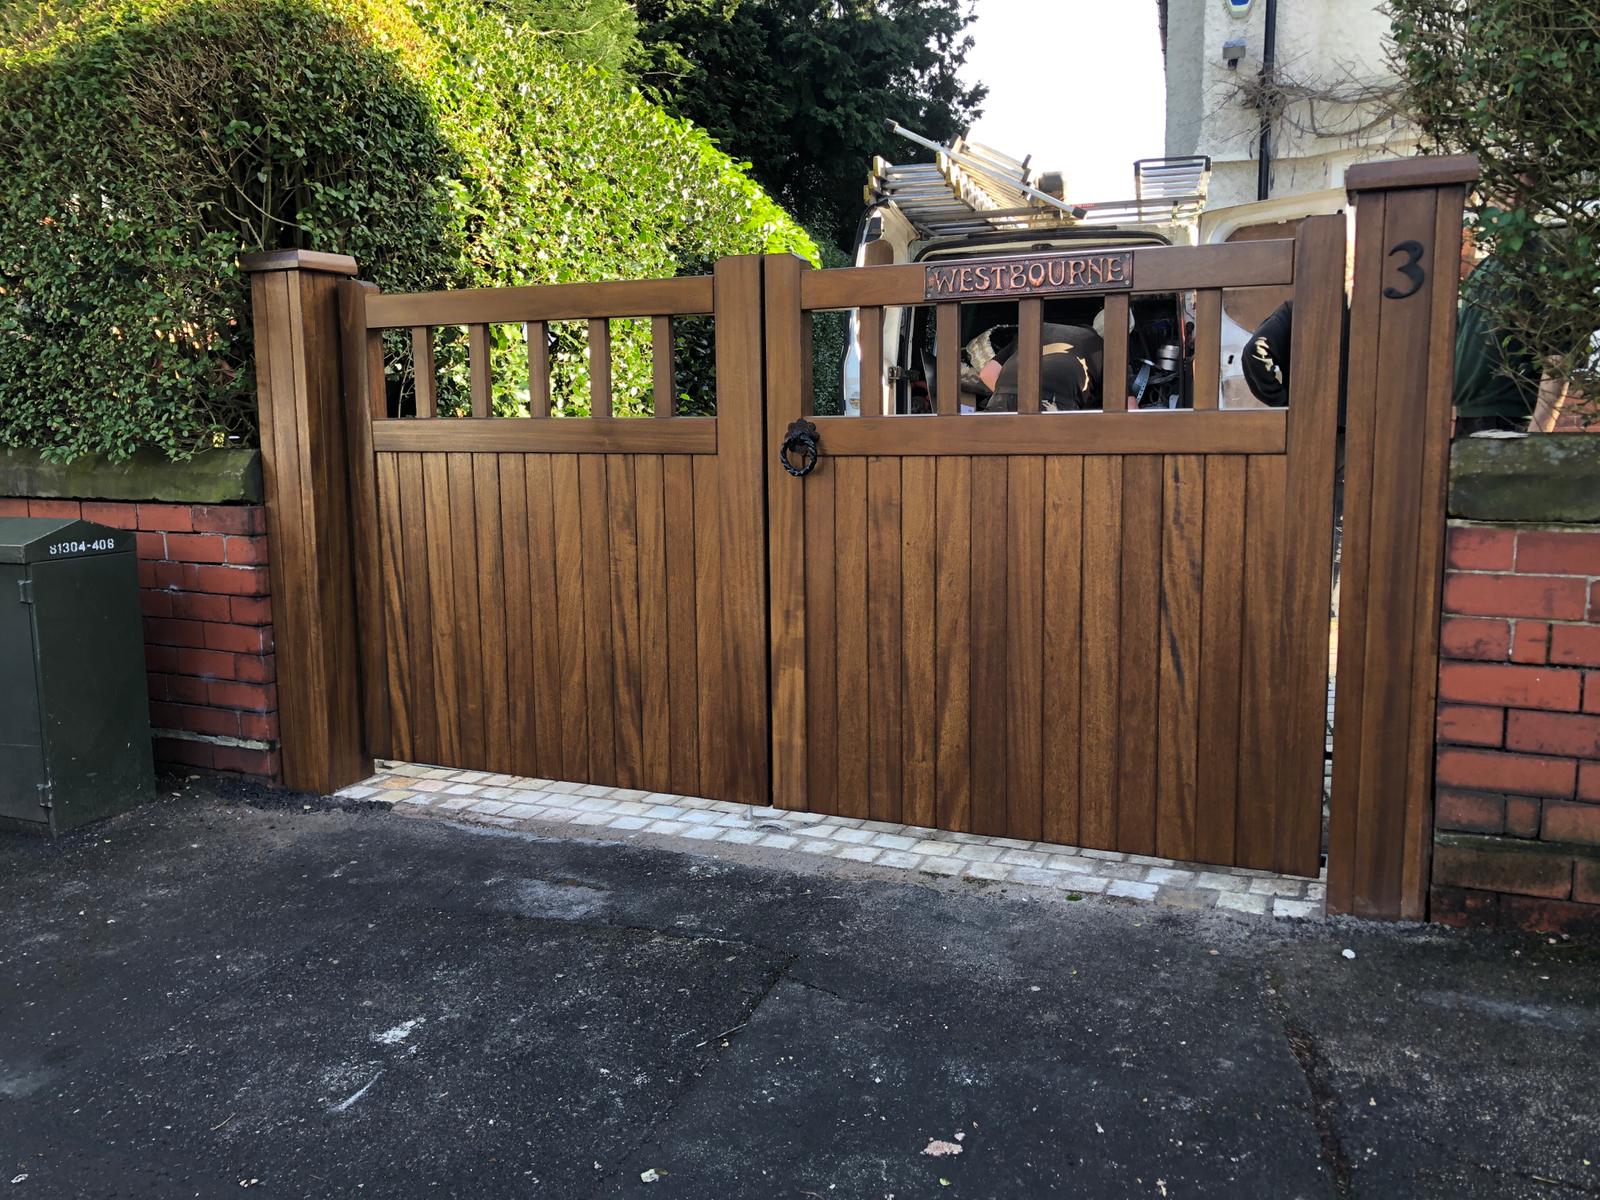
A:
x: 1031, y: 274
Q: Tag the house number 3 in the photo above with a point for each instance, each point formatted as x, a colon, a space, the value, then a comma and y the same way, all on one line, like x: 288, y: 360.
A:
x: 1413, y: 252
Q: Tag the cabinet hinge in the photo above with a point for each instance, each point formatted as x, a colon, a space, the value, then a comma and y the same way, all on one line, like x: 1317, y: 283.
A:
x: 25, y: 591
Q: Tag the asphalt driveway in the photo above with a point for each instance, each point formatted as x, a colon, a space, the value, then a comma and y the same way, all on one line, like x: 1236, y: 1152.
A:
x: 205, y: 995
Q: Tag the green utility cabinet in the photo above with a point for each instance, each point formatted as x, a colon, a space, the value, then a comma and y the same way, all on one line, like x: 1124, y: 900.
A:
x: 74, y: 718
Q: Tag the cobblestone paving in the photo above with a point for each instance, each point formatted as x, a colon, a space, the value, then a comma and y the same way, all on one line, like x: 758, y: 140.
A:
x: 537, y: 805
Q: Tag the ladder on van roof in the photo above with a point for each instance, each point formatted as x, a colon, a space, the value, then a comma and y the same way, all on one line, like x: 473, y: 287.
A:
x: 970, y: 188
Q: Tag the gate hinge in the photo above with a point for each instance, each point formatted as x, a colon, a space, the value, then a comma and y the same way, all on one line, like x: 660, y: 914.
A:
x: 25, y: 591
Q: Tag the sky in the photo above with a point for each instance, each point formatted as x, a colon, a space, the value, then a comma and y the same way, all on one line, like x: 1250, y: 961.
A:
x: 1078, y: 84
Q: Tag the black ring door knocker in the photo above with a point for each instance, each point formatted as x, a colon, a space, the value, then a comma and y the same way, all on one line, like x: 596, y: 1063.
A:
x: 801, y: 438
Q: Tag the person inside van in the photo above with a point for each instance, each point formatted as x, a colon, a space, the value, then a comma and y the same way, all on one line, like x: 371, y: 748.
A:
x: 1069, y: 371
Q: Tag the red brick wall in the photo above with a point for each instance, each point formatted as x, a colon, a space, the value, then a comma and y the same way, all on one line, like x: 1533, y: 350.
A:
x: 207, y: 627
x: 1517, y: 818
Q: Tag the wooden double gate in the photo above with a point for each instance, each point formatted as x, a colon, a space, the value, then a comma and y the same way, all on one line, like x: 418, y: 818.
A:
x: 1103, y: 628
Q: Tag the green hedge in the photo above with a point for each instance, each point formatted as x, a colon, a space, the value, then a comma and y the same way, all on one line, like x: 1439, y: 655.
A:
x: 146, y: 143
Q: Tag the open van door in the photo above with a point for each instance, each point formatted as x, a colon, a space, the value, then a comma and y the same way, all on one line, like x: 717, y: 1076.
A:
x: 1244, y: 309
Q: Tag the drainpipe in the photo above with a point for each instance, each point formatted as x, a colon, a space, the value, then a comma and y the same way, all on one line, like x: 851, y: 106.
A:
x: 1269, y: 58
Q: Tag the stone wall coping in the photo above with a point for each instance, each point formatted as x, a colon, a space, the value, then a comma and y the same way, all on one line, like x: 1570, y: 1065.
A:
x: 1547, y: 479
x: 220, y: 476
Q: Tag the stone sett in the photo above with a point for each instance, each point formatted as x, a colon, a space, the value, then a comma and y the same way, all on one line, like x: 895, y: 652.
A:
x: 1129, y: 890
x: 1024, y: 858
x: 900, y: 860
x: 859, y: 853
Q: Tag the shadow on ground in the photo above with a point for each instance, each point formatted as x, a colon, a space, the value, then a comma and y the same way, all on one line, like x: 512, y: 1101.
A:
x: 205, y: 993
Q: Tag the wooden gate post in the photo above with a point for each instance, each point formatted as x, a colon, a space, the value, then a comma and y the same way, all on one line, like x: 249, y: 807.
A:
x: 304, y: 465
x: 1399, y: 373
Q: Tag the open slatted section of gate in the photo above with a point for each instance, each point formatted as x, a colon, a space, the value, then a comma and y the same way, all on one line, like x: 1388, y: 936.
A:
x: 1106, y: 629
x: 572, y: 598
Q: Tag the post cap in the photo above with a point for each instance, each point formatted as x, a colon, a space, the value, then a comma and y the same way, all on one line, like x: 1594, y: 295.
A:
x: 298, y: 260
x: 1437, y: 170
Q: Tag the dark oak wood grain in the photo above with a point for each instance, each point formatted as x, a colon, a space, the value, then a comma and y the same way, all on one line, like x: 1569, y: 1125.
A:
x: 1401, y: 341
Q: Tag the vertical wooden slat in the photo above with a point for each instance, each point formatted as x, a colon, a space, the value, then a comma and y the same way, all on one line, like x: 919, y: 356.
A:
x: 789, y: 635
x: 918, y: 733
x: 600, y: 368
x: 870, y: 323
x: 947, y: 354
x: 395, y: 680
x: 465, y: 616
x: 1221, y: 621
x: 990, y: 616
x: 884, y: 774
x: 626, y: 665
x: 663, y: 375
x: 1177, y: 727
x: 441, y: 605
x: 418, y: 609
x: 850, y: 537
x: 1208, y: 347
x: 1139, y: 665
x: 363, y: 399
x: 1024, y: 706
x: 821, y: 748
x: 491, y: 616
x: 517, y: 633
x: 1063, y: 631
x: 1114, y: 361
x: 1030, y: 315
x: 571, y: 617
x: 480, y: 370
x: 545, y: 628
x: 1262, y: 697
x: 683, y: 683
x: 377, y: 384
x: 742, y: 455
x: 953, y: 633
x: 424, y: 374
x: 712, y: 721
x: 656, y: 730
x: 538, y: 369
x: 597, y: 636
x: 1100, y: 716
x: 1308, y: 548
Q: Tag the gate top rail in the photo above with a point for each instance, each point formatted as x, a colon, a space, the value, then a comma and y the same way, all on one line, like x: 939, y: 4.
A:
x: 1155, y: 269
x: 689, y: 295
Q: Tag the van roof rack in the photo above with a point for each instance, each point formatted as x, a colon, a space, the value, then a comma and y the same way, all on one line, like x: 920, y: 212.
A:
x: 970, y: 188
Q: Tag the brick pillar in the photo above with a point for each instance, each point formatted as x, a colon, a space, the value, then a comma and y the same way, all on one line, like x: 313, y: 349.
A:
x: 295, y: 308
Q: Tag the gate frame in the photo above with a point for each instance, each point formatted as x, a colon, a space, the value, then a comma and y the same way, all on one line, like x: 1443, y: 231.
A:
x: 1290, y: 673
x: 1398, y: 369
